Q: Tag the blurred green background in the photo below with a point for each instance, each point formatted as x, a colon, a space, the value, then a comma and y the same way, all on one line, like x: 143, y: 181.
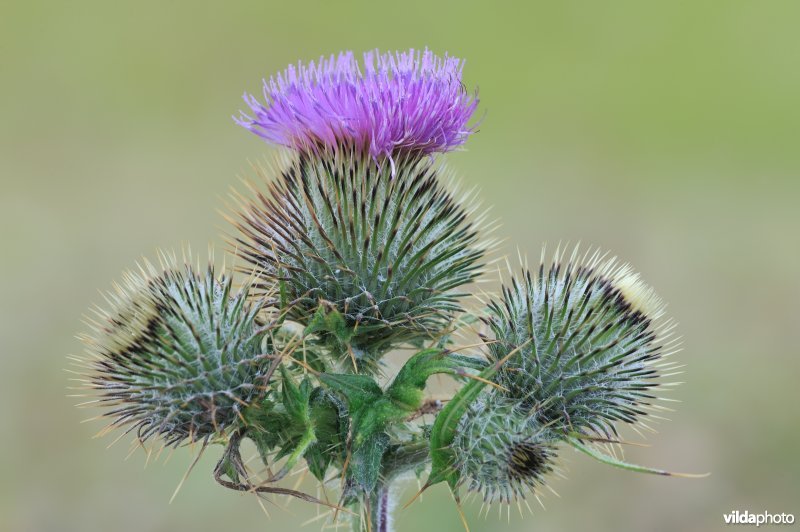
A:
x: 666, y: 132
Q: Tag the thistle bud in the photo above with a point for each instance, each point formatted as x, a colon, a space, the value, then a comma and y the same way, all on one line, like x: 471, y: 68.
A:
x: 503, y: 451
x: 178, y: 354
x: 384, y: 249
x: 590, y: 339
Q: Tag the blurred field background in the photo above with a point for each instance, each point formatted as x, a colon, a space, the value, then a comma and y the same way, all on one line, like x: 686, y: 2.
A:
x: 666, y: 132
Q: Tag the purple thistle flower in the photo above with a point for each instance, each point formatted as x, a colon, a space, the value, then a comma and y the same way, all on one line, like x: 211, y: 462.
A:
x: 401, y: 102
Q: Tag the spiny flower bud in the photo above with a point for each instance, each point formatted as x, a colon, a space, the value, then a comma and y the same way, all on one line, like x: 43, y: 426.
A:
x: 503, y: 451
x: 384, y: 250
x: 178, y: 354
x: 591, y: 342
x: 396, y: 103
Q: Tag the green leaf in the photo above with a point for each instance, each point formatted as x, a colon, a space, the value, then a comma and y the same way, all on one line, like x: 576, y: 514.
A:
x: 295, y: 451
x: 228, y: 468
x: 444, y: 427
x: 319, y: 460
x: 295, y: 399
x: 407, y: 388
x: 265, y: 427
x: 267, y: 440
x: 365, y: 462
x: 610, y: 460
x: 329, y: 321
x: 357, y: 389
x: 327, y: 410
x: 283, y: 295
x: 326, y: 414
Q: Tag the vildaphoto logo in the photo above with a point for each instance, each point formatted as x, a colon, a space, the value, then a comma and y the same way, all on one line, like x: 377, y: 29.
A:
x: 764, y: 518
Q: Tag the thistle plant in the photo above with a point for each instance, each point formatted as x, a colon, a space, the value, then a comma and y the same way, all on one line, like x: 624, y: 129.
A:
x: 355, y: 245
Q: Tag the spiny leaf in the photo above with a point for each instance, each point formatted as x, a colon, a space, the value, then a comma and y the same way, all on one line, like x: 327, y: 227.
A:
x: 329, y: 321
x: 407, y: 387
x: 446, y: 424
x: 604, y: 458
x: 358, y: 389
x: 365, y: 464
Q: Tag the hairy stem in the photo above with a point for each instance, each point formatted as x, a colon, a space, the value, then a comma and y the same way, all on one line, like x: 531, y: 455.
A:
x: 375, y: 515
x: 380, y: 510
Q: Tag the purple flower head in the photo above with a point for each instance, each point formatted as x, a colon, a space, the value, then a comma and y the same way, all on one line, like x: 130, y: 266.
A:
x: 400, y: 102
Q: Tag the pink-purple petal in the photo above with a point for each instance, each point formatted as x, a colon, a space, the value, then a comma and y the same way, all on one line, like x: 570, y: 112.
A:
x: 399, y: 101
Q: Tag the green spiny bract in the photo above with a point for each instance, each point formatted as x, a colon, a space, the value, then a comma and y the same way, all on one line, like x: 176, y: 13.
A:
x: 591, y: 340
x: 178, y: 355
x: 503, y: 451
x: 383, y: 245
